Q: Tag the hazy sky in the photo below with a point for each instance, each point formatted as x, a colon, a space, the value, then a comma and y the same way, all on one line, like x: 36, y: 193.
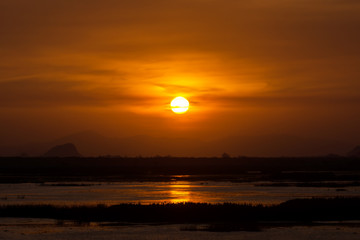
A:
x: 247, y: 67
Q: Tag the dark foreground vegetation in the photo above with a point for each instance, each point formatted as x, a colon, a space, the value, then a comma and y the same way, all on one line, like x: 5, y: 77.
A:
x: 300, y: 211
x: 242, y: 169
x: 310, y: 184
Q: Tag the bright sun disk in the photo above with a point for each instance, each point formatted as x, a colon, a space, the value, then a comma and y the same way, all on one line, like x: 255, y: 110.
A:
x: 179, y: 105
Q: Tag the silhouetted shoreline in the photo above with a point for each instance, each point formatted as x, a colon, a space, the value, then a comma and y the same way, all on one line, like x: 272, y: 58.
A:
x: 242, y: 169
x: 297, y: 211
x: 310, y: 184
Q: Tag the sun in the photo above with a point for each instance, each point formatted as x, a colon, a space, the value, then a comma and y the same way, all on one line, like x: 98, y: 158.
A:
x: 179, y: 105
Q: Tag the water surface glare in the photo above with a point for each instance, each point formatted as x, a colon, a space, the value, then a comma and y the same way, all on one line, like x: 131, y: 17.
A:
x: 157, y: 192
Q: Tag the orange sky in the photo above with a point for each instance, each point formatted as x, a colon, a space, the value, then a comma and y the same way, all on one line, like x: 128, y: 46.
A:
x: 247, y: 68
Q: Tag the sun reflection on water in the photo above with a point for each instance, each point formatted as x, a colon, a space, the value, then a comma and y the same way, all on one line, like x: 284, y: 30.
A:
x: 180, y: 192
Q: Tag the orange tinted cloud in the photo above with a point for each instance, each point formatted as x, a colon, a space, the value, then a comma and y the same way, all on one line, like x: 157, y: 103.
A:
x: 237, y: 61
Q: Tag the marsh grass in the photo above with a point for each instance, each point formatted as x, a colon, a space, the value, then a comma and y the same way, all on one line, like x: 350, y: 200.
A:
x: 297, y: 210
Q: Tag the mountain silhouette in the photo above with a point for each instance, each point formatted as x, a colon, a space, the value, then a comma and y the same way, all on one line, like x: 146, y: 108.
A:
x: 90, y: 143
x: 65, y: 150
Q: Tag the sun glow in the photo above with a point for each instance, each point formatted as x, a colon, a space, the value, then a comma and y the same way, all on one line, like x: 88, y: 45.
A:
x: 179, y: 105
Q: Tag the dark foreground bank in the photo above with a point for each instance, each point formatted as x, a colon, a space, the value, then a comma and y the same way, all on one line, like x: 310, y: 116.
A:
x: 297, y: 210
x: 240, y: 169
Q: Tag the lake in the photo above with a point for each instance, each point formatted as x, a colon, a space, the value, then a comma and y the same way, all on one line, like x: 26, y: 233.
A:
x: 47, y: 229
x: 69, y: 193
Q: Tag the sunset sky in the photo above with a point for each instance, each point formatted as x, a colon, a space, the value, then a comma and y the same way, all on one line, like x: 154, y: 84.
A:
x: 248, y: 68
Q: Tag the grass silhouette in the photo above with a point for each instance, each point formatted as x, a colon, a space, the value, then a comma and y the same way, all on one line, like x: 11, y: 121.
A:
x: 297, y: 210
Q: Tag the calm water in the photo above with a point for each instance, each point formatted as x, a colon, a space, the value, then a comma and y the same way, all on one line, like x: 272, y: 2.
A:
x: 45, y: 229
x: 154, y: 192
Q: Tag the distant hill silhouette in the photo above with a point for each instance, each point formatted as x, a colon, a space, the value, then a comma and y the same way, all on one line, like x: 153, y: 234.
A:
x: 90, y: 143
x: 355, y: 152
x: 65, y: 150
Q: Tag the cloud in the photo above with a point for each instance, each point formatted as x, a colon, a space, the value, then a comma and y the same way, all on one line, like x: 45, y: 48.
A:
x: 136, y: 55
x: 39, y: 93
